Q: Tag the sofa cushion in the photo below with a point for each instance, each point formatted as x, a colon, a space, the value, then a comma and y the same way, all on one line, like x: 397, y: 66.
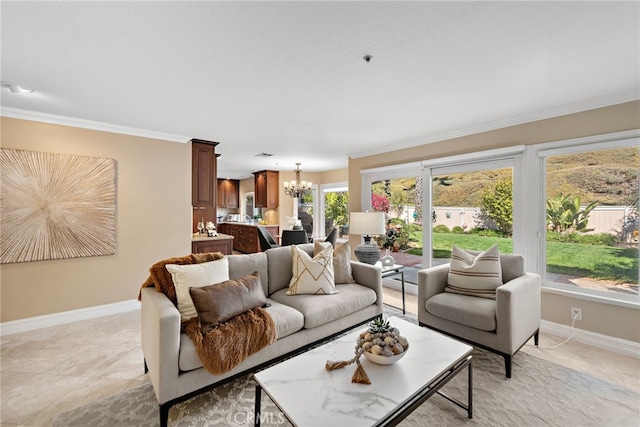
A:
x: 312, y: 275
x: 478, y: 313
x: 195, y: 275
x: 475, y: 273
x: 188, y: 359
x: 220, y: 302
x: 279, y: 266
x: 243, y: 265
x: 288, y: 321
x: 318, y: 310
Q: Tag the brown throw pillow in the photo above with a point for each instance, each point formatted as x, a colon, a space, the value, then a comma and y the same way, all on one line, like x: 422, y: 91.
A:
x: 220, y: 302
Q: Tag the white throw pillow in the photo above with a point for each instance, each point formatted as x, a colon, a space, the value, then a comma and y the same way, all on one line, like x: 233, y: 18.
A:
x: 312, y: 275
x: 477, y: 274
x: 196, y: 276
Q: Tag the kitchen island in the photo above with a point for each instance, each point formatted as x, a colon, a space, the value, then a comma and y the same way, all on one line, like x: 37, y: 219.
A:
x: 245, y: 235
x: 220, y: 243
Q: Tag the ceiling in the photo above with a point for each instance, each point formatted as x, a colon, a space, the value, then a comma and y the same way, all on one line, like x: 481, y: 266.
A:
x: 289, y: 78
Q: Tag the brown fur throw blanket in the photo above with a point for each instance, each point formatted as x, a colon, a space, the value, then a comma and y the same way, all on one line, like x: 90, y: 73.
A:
x: 160, y: 277
x: 225, y: 346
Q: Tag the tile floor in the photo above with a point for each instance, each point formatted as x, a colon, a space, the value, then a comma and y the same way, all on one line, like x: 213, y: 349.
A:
x: 56, y: 369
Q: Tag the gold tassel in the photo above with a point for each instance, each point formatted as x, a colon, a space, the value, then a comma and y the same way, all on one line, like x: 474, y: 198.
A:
x: 360, y: 376
x: 330, y: 366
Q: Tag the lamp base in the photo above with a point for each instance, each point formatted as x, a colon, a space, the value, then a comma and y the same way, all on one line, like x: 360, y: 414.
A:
x: 367, y: 253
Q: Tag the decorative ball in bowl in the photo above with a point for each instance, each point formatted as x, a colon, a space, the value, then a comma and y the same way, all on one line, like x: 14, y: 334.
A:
x: 382, y: 343
x: 384, y: 360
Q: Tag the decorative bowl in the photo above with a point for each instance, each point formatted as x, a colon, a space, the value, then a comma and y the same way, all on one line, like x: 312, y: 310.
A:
x: 384, y: 360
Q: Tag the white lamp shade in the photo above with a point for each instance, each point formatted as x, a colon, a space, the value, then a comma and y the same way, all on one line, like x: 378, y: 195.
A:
x: 366, y: 223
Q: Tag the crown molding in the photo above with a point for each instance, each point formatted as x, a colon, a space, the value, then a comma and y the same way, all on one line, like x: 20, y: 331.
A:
x: 561, y: 110
x: 36, y: 116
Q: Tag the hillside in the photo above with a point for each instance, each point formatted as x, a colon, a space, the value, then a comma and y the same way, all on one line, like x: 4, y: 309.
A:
x: 608, y: 176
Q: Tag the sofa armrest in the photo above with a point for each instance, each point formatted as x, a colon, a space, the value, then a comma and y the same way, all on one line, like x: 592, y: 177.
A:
x: 161, y: 342
x: 370, y: 276
x: 518, y: 310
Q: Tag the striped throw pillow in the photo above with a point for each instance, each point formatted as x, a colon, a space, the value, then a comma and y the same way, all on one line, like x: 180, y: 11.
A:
x: 477, y: 275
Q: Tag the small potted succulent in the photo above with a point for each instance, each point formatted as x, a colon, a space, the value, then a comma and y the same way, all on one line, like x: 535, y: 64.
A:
x: 381, y: 344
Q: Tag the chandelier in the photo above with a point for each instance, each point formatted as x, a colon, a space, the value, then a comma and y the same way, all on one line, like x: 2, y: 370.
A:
x: 297, y: 188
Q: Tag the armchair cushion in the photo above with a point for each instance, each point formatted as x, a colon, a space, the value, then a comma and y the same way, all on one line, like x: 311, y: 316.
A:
x: 479, y: 313
x: 476, y: 275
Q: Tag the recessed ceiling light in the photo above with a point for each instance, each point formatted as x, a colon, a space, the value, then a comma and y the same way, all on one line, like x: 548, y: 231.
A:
x: 263, y: 154
x: 16, y: 88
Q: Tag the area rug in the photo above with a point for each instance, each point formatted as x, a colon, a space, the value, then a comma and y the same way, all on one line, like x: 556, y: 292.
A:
x: 540, y: 393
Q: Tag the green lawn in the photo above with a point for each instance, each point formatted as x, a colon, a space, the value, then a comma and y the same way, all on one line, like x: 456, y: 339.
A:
x: 598, y: 262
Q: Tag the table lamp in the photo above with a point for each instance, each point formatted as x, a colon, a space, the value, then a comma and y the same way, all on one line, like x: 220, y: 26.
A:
x: 367, y: 224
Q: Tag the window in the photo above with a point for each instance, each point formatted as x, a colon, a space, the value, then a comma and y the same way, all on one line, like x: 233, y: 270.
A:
x: 574, y: 219
x: 401, y: 200
x: 249, y: 210
x: 472, y: 210
x: 335, y: 208
x: 591, y: 222
x: 441, y: 202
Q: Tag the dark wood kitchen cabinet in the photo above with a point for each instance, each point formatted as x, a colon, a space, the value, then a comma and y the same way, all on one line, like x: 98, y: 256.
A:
x: 245, y: 236
x: 204, y: 180
x: 222, y: 244
x: 228, y: 193
x: 267, y: 189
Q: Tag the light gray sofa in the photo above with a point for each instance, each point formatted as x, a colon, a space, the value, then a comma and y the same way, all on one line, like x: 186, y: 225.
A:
x: 174, y: 368
x: 502, y: 325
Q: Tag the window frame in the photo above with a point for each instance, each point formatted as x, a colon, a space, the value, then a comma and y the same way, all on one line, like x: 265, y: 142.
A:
x: 482, y: 160
x: 539, y: 154
x: 529, y: 187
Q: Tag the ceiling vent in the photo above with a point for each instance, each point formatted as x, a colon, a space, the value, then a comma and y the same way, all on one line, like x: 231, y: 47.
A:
x: 263, y: 154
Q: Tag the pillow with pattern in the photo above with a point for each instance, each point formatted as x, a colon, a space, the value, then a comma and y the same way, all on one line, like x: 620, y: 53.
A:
x: 476, y: 275
x: 312, y: 275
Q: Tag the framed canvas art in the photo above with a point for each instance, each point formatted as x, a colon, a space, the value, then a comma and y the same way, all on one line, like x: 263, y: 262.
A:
x: 55, y: 206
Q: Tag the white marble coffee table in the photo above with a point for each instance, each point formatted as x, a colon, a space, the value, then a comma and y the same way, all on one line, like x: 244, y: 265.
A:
x: 309, y: 395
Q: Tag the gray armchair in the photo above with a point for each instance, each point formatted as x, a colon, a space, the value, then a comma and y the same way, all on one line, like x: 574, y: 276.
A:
x: 501, y: 326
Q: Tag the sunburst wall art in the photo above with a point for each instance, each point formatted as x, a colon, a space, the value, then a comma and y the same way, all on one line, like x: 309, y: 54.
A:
x: 55, y: 206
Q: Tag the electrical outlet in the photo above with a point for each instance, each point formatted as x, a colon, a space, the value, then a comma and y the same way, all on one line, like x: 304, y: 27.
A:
x: 576, y: 313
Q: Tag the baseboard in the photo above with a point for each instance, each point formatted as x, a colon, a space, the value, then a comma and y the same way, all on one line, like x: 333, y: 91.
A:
x: 605, y: 342
x: 409, y: 288
x: 32, y: 323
